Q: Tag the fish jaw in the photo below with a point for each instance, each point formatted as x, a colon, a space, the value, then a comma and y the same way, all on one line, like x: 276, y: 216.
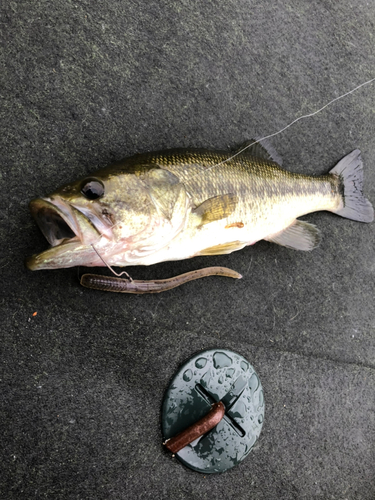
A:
x: 67, y: 254
x: 69, y: 232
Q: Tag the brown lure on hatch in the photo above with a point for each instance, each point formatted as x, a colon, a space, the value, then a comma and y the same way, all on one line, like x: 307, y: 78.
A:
x: 177, y: 204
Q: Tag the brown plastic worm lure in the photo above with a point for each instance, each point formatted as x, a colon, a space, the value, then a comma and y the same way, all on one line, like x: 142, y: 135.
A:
x: 196, y: 430
x: 112, y: 284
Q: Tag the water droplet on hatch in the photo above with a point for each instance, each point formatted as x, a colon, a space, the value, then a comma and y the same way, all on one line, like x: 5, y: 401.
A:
x: 221, y: 360
x: 206, y: 379
x: 253, y: 383
x: 188, y: 375
x: 239, y: 410
x: 201, y: 362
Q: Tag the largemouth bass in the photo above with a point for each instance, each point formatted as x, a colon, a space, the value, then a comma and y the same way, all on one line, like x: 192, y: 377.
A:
x: 177, y: 204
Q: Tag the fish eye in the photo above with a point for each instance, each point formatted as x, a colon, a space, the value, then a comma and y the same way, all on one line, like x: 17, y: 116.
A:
x: 92, y: 189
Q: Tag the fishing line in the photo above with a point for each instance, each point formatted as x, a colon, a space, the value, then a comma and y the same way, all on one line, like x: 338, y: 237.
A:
x: 309, y: 115
x: 109, y: 267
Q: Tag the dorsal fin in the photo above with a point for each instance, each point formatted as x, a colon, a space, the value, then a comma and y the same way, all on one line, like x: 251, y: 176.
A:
x: 262, y: 149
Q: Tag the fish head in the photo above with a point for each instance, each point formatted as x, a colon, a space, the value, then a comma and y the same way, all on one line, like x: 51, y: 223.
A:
x: 121, y: 215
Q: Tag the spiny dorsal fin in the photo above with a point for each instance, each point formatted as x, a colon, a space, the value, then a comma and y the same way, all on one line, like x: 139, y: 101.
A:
x: 299, y: 236
x: 262, y: 149
x: 216, y: 208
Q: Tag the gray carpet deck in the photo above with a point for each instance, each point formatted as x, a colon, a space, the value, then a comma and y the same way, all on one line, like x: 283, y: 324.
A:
x: 85, y: 83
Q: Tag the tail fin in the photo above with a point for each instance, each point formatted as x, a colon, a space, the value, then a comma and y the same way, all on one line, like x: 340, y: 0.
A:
x: 350, y: 173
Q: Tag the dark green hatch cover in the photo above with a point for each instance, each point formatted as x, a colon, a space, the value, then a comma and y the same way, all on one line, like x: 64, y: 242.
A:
x: 209, y: 377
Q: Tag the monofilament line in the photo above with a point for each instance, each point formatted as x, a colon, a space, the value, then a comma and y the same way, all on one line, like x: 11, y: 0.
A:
x: 109, y: 267
x: 309, y: 115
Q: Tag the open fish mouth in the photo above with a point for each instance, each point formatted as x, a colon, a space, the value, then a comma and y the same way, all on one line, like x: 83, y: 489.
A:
x: 55, y: 225
x: 69, y: 232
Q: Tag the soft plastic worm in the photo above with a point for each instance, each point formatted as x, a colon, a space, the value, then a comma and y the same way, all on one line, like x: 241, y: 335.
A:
x: 196, y: 430
x: 111, y: 284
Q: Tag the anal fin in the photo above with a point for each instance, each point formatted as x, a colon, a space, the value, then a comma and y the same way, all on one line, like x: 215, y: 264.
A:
x: 298, y: 236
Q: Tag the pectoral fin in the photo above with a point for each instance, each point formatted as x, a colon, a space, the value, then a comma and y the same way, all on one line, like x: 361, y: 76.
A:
x: 299, y: 236
x: 216, y: 208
